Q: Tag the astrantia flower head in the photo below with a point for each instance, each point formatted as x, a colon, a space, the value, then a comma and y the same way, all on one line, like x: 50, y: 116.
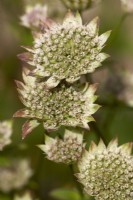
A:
x: 67, y: 150
x: 14, y: 175
x: 63, y: 105
x: 34, y: 16
x: 127, y: 5
x: 107, y: 173
x: 5, y: 133
x: 79, y: 5
x: 67, y: 51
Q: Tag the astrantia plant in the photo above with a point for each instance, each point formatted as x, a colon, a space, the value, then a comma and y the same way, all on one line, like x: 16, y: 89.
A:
x: 67, y: 51
x: 5, y: 133
x: 55, y: 92
x: 67, y: 150
x: 61, y: 106
x: 107, y: 172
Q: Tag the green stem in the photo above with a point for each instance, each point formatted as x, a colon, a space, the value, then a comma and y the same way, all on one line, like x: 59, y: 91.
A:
x: 96, y: 129
x: 115, y: 33
x: 77, y: 184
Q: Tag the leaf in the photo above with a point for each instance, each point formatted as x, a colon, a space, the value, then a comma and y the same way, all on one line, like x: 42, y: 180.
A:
x: 3, y: 197
x: 65, y: 194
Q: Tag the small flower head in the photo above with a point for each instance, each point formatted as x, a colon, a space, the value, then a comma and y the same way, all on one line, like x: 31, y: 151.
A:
x: 15, y: 175
x: 75, y: 5
x: 67, y: 150
x: 127, y: 5
x: 34, y: 16
x: 61, y: 106
x: 5, y: 133
x: 107, y: 172
x: 79, y: 5
x: 67, y: 51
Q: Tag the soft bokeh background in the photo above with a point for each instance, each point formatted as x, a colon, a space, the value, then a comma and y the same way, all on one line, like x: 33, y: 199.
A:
x: 114, y: 119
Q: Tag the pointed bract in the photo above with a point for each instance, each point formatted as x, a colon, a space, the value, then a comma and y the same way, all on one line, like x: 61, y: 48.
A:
x: 103, y: 38
x: 28, y: 127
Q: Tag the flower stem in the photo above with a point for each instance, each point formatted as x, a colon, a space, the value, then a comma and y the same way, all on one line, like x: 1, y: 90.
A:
x: 77, y: 184
x: 96, y: 129
x: 116, y: 31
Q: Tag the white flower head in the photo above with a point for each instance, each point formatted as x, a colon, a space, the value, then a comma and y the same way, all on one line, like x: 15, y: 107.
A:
x: 65, y: 105
x: 67, y: 51
x: 107, y: 172
x: 15, y: 175
x: 127, y: 5
x: 34, y: 16
x: 5, y: 133
x: 67, y: 150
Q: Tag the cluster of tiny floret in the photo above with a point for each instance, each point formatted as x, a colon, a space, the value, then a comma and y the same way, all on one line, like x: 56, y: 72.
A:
x: 108, y: 175
x: 15, y: 175
x: 67, y: 52
x: 63, y: 105
x: 67, y: 150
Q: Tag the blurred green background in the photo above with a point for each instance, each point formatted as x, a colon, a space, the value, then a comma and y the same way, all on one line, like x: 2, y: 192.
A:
x: 114, y: 119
